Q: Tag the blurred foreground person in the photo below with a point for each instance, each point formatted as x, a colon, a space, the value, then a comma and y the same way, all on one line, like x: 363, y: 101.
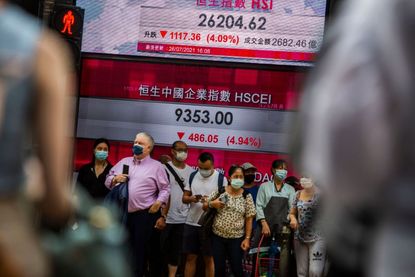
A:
x: 358, y: 133
x: 33, y: 107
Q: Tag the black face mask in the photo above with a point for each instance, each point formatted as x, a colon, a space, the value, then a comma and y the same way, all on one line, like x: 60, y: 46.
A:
x: 249, y: 178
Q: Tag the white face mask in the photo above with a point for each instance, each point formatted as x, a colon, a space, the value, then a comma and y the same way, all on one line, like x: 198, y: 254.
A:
x: 306, y: 183
x: 205, y: 172
x: 181, y: 156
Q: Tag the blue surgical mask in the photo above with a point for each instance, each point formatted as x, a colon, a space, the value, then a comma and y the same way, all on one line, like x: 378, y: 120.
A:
x: 281, y: 174
x: 237, y: 183
x: 137, y: 149
x: 101, y: 155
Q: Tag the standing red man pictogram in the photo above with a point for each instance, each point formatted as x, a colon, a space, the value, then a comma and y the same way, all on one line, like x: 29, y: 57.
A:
x: 68, y: 21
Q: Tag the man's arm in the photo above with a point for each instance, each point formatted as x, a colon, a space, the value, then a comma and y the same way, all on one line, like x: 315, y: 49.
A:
x: 53, y: 125
x: 188, y: 197
x: 163, y: 186
x: 114, y: 177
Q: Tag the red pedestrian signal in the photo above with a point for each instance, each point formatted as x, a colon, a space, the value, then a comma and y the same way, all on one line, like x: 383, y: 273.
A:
x: 68, y: 20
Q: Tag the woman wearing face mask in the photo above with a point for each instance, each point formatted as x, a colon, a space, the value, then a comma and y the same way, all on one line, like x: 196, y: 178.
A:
x: 309, y: 247
x: 92, y: 175
x: 233, y: 223
x: 273, y: 203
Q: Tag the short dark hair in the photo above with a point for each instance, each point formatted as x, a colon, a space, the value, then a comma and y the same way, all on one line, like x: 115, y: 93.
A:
x: 173, y: 146
x: 206, y: 156
x: 233, y: 168
x: 278, y: 163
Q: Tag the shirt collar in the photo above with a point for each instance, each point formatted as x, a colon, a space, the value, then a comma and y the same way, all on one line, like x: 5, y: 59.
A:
x: 137, y: 161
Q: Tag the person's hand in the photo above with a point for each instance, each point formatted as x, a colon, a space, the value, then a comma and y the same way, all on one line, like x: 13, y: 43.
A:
x: 120, y: 178
x: 217, y: 204
x: 198, y: 197
x: 160, y: 223
x: 203, y: 199
x: 265, y: 229
x: 245, y: 244
x: 155, y: 207
x: 193, y: 199
x: 294, y: 224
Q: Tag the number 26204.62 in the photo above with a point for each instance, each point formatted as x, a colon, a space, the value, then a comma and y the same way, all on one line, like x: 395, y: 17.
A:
x: 230, y: 22
x: 203, y: 116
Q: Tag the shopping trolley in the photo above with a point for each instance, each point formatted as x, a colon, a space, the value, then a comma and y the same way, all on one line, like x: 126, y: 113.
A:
x: 267, y: 258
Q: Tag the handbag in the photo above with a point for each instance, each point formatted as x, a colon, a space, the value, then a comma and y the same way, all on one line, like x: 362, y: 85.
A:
x: 206, y: 219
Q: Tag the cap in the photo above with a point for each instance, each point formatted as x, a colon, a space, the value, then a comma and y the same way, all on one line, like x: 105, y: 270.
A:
x: 247, y: 166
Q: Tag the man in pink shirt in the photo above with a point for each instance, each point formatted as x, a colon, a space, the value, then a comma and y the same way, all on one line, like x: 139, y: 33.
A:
x: 148, y: 188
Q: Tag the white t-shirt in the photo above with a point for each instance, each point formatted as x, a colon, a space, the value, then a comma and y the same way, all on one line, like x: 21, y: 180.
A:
x: 178, y: 210
x: 204, y: 187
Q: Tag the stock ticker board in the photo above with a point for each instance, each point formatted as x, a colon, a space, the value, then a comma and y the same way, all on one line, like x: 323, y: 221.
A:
x: 287, y: 32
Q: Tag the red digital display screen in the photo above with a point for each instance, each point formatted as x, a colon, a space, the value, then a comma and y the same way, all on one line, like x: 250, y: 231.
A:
x: 240, y: 115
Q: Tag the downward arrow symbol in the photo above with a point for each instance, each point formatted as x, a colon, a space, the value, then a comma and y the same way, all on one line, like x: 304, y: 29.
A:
x: 163, y: 33
x: 180, y: 134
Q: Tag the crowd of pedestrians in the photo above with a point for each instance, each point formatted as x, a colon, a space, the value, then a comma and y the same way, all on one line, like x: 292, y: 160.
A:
x: 167, y: 200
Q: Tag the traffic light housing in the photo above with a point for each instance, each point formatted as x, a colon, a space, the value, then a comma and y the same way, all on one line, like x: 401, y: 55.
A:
x: 68, y: 20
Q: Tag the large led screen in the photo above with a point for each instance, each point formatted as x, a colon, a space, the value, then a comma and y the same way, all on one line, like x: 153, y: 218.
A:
x: 238, y: 114
x: 287, y: 32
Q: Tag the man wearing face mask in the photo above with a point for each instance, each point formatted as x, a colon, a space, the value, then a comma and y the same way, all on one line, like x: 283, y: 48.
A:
x: 200, y: 186
x: 273, y: 203
x: 176, y: 212
x: 249, y: 183
x: 148, y: 188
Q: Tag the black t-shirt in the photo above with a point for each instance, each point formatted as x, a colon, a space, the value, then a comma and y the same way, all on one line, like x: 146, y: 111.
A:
x: 95, y: 186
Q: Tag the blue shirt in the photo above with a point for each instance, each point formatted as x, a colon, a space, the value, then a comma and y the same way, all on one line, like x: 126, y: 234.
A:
x: 253, y: 191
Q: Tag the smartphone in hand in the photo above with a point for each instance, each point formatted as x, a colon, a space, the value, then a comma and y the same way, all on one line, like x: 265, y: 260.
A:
x: 125, y: 169
x: 224, y: 198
